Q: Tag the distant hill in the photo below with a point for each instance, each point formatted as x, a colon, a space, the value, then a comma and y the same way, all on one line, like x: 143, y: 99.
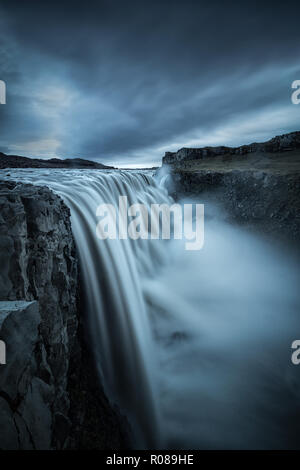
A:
x: 15, y: 161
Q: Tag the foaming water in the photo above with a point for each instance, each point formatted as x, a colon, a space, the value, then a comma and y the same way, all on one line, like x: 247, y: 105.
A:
x: 194, y: 346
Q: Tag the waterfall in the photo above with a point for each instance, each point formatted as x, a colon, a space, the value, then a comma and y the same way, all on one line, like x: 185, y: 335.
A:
x: 193, y: 346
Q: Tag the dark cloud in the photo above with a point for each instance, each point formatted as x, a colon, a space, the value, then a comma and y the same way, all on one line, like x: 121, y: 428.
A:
x: 123, y: 81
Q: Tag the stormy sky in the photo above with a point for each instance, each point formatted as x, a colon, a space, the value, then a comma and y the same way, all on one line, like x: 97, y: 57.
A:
x: 122, y: 81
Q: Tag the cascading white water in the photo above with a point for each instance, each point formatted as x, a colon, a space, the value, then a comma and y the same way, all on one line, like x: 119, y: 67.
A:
x: 194, y: 346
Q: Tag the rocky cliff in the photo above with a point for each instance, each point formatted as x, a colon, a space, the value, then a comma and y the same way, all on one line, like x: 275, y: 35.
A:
x: 267, y: 202
x: 49, y: 394
x: 256, y: 185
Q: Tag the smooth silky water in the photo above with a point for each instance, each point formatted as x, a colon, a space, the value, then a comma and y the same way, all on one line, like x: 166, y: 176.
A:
x: 194, y: 346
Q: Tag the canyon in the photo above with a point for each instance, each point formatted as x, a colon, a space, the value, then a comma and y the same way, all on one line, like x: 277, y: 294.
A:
x: 53, y: 276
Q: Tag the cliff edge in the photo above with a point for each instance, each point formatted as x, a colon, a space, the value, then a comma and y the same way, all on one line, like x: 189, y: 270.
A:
x: 49, y: 394
x: 257, y: 185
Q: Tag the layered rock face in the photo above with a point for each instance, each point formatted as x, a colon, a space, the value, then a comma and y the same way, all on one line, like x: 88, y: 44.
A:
x: 49, y: 395
x: 262, y: 200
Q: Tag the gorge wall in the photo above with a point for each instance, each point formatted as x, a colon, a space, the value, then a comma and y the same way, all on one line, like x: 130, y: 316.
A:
x: 267, y: 202
x: 49, y: 394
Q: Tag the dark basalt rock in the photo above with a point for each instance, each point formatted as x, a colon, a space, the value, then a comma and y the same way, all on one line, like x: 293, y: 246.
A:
x: 53, y: 400
x: 257, y: 185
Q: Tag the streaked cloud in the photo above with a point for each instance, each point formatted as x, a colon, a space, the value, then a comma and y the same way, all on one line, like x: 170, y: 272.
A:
x: 122, y: 82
